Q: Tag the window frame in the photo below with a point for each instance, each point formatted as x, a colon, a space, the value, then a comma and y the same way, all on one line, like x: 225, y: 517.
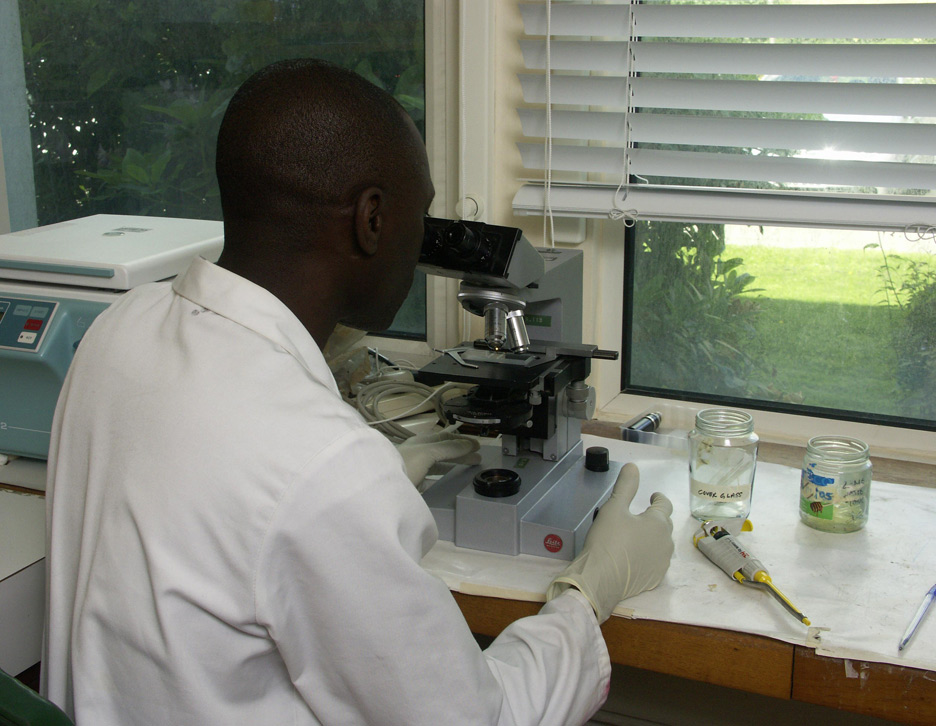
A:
x: 4, y: 204
x: 461, y: 106
x: 792, y: 429
x: 443, y: 322
x: 17, y: 194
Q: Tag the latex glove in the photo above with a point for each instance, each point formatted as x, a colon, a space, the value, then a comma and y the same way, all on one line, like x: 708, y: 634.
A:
x: 421, y: 452
x: 341, y: 342
x: 624, y: 554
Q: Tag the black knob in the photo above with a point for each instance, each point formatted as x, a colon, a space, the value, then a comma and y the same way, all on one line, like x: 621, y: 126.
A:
x: 597, y: 458
x: 497, y: 483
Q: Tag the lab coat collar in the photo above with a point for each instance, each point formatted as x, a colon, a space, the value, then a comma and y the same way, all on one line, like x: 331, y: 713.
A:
x: 255, y: 308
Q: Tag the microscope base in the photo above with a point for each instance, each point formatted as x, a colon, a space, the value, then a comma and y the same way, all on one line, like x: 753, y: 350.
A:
x: 549, y: 516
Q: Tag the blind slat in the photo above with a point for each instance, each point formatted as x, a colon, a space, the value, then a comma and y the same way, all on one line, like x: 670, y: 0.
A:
x: 907, y: 20
x: 715, y: 206
x: 575, y: 91
x: 891, y: 99
x: 789, y: 59
x: 738, y: 167
x: 731, y: 132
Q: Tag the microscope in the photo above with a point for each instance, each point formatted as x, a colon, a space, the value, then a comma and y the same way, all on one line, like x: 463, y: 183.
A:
x: 537, y: 492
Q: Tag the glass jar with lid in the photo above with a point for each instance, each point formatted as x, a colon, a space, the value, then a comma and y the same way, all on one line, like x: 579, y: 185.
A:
x: 835, y: 486
x: 722, y: 460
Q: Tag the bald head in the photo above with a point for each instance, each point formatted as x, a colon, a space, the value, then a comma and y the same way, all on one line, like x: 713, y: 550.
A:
x: 324, y: 186
x: 303, y: 135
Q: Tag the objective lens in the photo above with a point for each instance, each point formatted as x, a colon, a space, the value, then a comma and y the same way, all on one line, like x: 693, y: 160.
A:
x: 516, y: 328
x: 495, y: 325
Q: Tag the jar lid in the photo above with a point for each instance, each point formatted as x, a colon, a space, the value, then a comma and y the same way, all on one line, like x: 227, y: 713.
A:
x: 837, y: 448
x: 724, y: 421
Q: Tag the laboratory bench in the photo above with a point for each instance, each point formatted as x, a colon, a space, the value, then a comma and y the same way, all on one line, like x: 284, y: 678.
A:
x: 697, y: 624
x: 860, y: 591
x: 742, y: 661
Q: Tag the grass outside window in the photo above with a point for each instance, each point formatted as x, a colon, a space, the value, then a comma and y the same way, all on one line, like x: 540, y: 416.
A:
x: 800, y: 319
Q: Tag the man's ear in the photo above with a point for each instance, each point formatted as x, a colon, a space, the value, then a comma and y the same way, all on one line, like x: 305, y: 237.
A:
x: 368, y: 219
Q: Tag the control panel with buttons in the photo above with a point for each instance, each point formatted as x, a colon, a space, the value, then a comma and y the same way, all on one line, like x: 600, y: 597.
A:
x: 24, y: 322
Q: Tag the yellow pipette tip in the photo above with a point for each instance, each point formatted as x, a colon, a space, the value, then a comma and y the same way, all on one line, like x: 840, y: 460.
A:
x: 762, y: 577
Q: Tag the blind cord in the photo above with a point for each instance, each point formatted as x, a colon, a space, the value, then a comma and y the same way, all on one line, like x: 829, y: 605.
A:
x: 462, y: 138
x: 618, y: 210
x: 920, y: 231
x: 462, y: 113
x: 549, y: 226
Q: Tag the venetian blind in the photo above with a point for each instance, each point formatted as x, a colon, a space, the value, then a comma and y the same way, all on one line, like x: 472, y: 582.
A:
x: 766, y: 112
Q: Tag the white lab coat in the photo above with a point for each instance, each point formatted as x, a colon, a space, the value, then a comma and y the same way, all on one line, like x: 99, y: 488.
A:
x: 229, y: 543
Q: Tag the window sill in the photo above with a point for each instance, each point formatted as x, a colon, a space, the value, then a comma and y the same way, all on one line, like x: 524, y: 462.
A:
x: 894, y: 470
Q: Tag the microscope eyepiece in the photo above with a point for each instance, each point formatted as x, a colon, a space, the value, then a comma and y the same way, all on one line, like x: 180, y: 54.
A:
x: 462, y: 240
x: 479, y: 253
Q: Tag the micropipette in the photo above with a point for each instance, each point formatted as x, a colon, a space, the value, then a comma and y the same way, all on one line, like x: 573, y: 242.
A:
x: 716, y: 543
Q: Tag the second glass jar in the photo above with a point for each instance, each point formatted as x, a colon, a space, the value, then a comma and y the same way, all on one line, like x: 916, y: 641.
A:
x: 835, y: 486
x: 722, y: 460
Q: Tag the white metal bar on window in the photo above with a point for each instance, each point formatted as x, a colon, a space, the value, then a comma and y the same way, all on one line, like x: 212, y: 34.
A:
x: 733, y: 167
x: 722, y: 206
x: 781, y: 169
x: 576, y: 90
x: 904, y: 20
x: 789, y: 59
x: 577, y: 19
x: 891, y: 99
x: 758, y: 133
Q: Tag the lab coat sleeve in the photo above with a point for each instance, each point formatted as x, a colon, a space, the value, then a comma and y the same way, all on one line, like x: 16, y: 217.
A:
x: 368, y: 636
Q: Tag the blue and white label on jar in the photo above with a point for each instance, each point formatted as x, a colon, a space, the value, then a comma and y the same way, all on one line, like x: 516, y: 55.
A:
x: 817, y: 494
x: 821, y: 496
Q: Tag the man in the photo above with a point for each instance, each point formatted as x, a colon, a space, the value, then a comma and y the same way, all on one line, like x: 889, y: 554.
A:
x: 229, y: 542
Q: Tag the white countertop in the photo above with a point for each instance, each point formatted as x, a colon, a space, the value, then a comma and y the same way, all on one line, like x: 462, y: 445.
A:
x: 859, y: 590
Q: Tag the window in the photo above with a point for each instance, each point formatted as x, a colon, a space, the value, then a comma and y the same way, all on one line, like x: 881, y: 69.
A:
x: 124, y: 100
x: 838, y: 323
x: 774, y: 162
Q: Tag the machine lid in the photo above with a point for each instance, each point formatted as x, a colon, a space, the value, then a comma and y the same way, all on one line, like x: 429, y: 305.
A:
x: 116, y: 252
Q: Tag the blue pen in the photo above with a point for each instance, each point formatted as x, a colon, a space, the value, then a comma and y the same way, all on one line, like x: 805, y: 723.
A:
x: 918, y: 618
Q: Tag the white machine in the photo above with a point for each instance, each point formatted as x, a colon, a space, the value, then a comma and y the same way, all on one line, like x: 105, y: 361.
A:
x: 54, y: 281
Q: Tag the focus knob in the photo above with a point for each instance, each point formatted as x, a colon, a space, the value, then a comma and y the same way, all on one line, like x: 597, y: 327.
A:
x: 597, y: 458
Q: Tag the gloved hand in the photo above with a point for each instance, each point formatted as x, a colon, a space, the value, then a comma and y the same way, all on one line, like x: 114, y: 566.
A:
x: 421, y: 452
x: 341, y: 341
x: 624, y: 554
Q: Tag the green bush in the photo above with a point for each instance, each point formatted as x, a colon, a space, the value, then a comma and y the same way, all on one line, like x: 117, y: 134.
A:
x: 909, y: 287
x: 691, y: 324
x: 125, y: 98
